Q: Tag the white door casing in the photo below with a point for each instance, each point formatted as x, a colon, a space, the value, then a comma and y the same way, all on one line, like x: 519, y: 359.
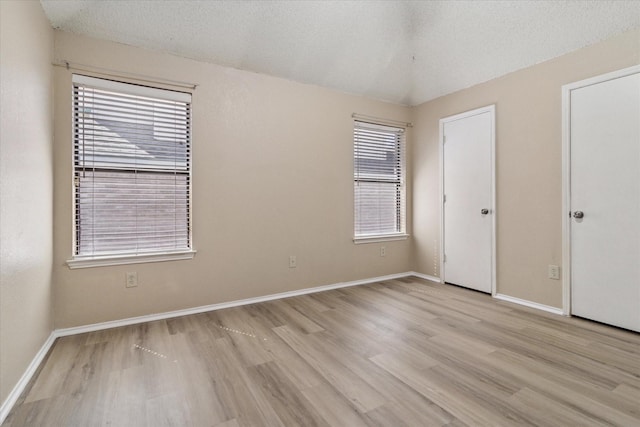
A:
x: 601, y: 179
x: 467, y: 164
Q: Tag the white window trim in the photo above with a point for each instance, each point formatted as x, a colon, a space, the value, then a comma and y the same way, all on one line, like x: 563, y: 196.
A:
x: 402, y: 234
x: 79, y: 261
x: 109, y: 260
x: 380, y: 238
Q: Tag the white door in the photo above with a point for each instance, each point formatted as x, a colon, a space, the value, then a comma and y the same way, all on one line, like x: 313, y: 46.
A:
x: 605, y: 199
x: 468, y: 207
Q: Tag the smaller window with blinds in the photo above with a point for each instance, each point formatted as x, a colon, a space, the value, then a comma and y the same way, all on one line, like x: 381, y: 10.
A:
x: 379, y: 182
x: 132, y: 170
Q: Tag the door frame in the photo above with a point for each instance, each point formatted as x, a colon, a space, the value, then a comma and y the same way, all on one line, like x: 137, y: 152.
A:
x: 491, y: 109
x: 566, y: 173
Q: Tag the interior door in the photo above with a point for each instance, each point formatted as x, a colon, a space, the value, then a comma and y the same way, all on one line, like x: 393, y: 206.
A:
x: 468, y: 208
x: 605, y: 201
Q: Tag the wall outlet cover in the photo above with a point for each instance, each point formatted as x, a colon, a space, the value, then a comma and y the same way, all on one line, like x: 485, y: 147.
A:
x: 131, y: 280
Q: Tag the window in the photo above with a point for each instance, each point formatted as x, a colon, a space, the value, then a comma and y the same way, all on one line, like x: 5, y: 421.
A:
x: 379, y: 182
x: 132, y: 170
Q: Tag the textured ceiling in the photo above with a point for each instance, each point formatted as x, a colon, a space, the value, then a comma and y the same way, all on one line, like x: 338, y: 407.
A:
x: 406, y: 52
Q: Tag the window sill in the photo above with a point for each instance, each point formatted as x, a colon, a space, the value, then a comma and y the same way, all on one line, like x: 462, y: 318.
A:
x: 380, y: 238
x: 103, y: 261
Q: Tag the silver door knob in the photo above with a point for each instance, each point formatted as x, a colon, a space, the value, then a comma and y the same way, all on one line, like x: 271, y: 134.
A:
x: 484, y: 211
x: 578, y: 214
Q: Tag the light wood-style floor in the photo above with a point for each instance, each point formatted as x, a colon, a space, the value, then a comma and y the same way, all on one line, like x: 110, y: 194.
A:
x: 400, y: 353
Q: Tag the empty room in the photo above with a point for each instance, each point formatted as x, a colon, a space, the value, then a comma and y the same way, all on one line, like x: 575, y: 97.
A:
x: 319, y: 213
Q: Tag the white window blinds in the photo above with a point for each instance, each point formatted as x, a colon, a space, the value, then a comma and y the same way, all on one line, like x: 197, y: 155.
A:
x: 379, y: 173
x: 132, y: 169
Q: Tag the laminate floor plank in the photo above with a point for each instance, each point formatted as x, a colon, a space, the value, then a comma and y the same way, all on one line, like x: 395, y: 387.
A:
x: 389, y: 387
x: 230, y: 423
x: 379, y: 295
x: 599, y: 404
x: 442, y: 394
x: 292, y: 407
x: 251, y: 406
x: 356, y: 389
x: 168, y: 410
x: 472, y: 392
x: 349, y: 333
x: 404, y: 352
x: 578, y: 327
x: 297, y: 370
x: 248, y: 346
x: 550, y: 351
x: 397, y: 313
x: 628, y: 392
x: 333, y: 407
x: 590, y: 370
x: 297, y: 317
x: 309, y: 302
x: 199, y: 366
x: 547, y: 412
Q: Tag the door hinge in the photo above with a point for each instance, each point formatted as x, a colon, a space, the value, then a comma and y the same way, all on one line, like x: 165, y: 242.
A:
x: 444, y: 258
x: 444, y: 198
x: 444, y: 139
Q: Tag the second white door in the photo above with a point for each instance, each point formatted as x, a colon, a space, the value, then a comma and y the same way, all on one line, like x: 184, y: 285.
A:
x: 468, y: 205
x: 604, y: 132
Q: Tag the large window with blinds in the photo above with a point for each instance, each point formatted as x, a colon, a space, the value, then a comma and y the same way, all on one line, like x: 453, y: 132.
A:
x: 379, y: 181
x: 131, y: 169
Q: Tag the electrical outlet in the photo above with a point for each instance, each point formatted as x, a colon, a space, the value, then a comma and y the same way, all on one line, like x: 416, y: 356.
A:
x: 292, y: 261
x: 554, y: 272
x: 131, y: 280
x: 383, y: 251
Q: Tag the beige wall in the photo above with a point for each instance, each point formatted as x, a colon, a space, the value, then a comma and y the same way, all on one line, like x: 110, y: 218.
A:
x: 26, y: 46
x: 528, y: 165
x: 273, y: 170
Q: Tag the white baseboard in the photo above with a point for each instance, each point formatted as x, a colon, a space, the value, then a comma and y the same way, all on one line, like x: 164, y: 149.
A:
x: 26, y: 377
x: 220, y: 306
x: 531, y: 304
x: 425, y: 277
